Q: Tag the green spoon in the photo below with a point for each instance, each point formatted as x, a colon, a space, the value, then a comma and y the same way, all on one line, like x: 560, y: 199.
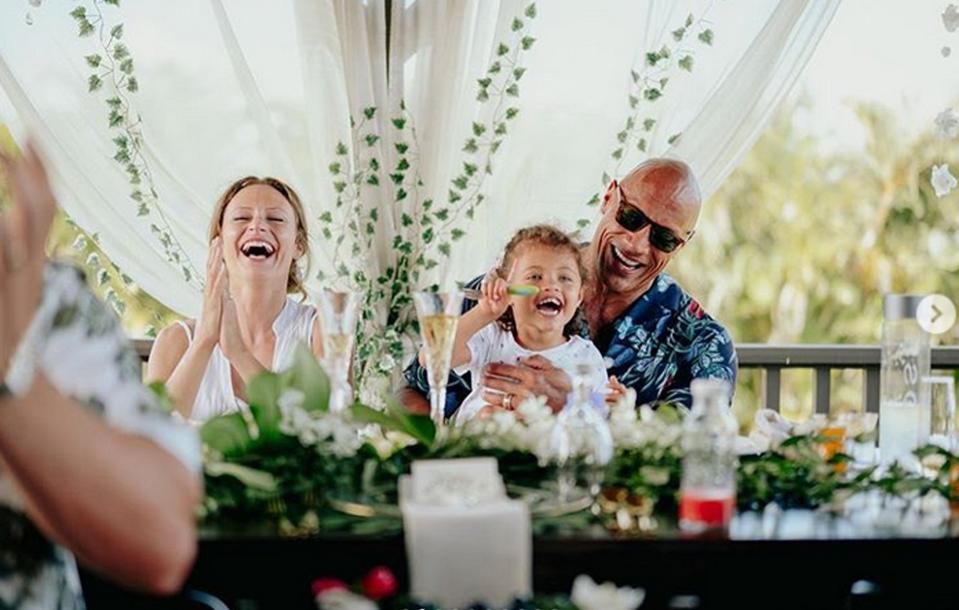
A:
x: 517, y: 290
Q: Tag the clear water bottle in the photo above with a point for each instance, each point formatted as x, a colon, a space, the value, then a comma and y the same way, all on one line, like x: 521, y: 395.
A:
x: 707, y: 492
x: 903, y: 398
x: 581, y: 442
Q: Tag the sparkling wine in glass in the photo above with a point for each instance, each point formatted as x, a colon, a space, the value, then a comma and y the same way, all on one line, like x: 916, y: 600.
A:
x: 438, y: 314
x: 337, y: 314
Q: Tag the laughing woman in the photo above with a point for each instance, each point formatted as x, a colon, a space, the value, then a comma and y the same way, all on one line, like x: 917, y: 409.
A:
x: 249, y: 323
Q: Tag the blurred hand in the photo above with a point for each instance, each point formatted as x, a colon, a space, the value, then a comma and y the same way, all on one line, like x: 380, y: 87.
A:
x: 616, y: 390
x: 495, y: 301
x: 23, y: 235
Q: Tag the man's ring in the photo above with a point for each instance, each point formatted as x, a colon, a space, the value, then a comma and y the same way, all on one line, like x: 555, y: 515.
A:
x: 508, y: 402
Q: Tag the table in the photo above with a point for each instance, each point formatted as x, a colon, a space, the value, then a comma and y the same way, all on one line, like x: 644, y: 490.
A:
x: 758, y: 567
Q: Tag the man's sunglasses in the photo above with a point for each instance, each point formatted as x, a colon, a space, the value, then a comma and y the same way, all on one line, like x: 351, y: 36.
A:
x: 633, y: 219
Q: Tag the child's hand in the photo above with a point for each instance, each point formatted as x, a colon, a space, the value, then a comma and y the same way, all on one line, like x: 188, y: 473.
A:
x: 495, y: 301
x: 616, y: 390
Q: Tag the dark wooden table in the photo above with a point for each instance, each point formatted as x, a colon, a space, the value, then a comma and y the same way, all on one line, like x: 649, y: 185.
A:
x: 257, y: 571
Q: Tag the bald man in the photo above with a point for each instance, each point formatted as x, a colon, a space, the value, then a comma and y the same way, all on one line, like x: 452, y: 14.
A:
x: 656, y: 338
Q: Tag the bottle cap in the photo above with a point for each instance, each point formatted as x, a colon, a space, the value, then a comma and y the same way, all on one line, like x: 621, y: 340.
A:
x: 900, y: 306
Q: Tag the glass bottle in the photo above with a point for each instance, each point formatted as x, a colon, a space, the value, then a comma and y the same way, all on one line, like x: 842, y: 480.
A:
x: 903, y: 398
x: 581, y: 442
x: 707, y: 493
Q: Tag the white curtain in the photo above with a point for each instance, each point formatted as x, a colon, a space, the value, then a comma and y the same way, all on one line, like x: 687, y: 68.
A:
x: 243, y: 87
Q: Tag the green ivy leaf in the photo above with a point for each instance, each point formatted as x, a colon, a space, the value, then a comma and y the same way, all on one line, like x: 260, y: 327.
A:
x: 461, y: 182
x: 689, y: 20
x: 482, y: 96
x: 594, y: 200
x: 617, y: 154
x: 79, y: 12
x: 401, y: 147
x: 454, y: 196
x: 478, y: 129
x: 517, y: 24
x: 531, y: 11
x: 427, y: 204
x: 400, y: 194
x: 428, y: 235
x: 633, y: 101
x: 371, y: 139
x: 86, y: 28
x: 339, y: 186
x: 484, y: 82
x: 120, y: 51
x: 494, y: 68
x: 511, y: 113
x: 132, y: 85
x: 341, y: 148
x: 641, y: 145
x: 406, y: 220
x: 635, y: 75
x: 648, y: 124
x: 527, y: 42
x: 403, y: 165
x: 117, y: 31
x: 126, y: 66
x: 399, y: 123
x: 582, y: 223
x: 502, y: 50
x: 652, y: 57
x: 334, y: 168
x: 652, y: 93
x: 519, y: 72
x: 513, y: 90
x: 706, y: 36
x: 93, y: 60
x: 457, y: 234
x: 469, y: 168
x: 621, y: 136
x: 373, y: 180
x: 672, y: 139
x: 678, y: 34
x: 369, y: 111
x: 94, y: 83
x: 444, y: 248
x: 442, y: 214
x: 686, y: 63
x: 470, y: 146
x: 114, y: 102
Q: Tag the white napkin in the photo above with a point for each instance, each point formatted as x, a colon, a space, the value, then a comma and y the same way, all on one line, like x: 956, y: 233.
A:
x: 465, y: 540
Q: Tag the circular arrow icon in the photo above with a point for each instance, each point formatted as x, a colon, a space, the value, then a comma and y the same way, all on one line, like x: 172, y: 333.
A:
x: 936, y: 314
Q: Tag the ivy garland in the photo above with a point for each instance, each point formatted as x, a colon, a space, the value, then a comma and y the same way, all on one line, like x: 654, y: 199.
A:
x: 426, y: 229
x: 649, y: 85
x: 112, y: 68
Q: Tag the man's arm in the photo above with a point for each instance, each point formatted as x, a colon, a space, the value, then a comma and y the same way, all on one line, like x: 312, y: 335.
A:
x: 712, y: 355
x: 119, y: 501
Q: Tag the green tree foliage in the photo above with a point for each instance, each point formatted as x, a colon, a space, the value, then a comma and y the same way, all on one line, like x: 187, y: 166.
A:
x: 799, y: 244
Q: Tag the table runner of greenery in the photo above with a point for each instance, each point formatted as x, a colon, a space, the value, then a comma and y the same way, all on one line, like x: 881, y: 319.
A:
x: 282, y: 462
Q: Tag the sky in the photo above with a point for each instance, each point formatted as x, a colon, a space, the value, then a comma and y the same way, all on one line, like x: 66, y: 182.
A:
x: 888, y: 51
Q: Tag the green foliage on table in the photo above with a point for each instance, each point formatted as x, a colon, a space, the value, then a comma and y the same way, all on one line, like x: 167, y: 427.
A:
x: 796, y: 475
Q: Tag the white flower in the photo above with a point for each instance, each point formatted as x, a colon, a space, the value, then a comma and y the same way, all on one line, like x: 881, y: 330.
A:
x: 590, y: 596
x: 942, y: 180
x: 950, y: 18
x: 340, y: 599
x: 947, y: 124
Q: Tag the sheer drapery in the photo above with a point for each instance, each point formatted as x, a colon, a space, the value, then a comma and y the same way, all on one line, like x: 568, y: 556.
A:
x: 229, y: 89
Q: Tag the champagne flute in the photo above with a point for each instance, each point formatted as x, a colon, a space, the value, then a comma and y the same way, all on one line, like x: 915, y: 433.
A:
x: 337, y: 314
x: 438, y: 314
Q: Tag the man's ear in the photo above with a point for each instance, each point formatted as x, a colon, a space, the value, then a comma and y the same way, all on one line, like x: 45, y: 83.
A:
x: 608, y: 196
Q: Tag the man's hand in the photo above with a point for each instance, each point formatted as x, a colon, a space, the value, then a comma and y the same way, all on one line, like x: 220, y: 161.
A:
x: 507, y: 386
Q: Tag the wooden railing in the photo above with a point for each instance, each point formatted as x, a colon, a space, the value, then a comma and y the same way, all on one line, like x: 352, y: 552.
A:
x: 821, y: 359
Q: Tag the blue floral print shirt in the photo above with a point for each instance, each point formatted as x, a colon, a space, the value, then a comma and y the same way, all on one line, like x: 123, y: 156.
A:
x: 657, y: 347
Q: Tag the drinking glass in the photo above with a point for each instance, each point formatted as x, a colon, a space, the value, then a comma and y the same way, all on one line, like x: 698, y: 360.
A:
x: 438, y: 314
x: 337, y: 314
x: 942, y: 411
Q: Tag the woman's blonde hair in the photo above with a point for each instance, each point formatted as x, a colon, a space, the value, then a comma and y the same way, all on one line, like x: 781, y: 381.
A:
x: 294, y: 282
x: 550, y: 236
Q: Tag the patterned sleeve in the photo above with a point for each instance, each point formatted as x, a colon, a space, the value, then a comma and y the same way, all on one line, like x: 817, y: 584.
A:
x: 85, y: 354
x: 458, y: 387
x: 711, y: 355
